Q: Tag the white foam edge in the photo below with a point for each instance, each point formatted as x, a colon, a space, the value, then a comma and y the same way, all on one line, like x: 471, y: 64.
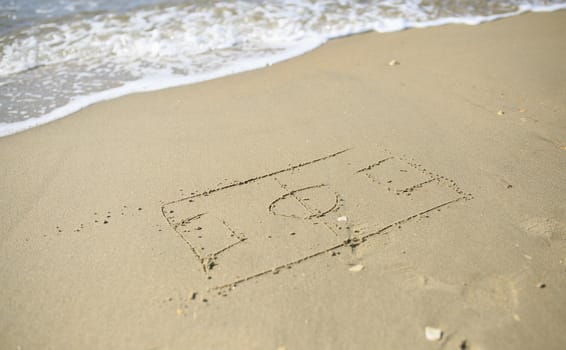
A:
x: 159, y: 82
x: 155, y: 83
x: 398, y: 25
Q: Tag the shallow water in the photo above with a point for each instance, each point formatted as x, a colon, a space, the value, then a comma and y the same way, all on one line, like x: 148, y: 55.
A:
x: 57, y: 56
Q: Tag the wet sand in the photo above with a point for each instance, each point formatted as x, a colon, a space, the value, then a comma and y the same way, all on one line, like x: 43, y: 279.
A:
x: 347, y: 198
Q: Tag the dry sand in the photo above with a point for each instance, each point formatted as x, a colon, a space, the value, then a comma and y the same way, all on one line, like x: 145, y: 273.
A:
x: 350, y: 202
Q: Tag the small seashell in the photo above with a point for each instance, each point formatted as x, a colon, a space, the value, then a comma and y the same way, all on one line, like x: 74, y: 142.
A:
x: 433, y: 334
x: 500, y: 112
x: 356, y: 268
x: 394, y: 63
x: 342, y: 219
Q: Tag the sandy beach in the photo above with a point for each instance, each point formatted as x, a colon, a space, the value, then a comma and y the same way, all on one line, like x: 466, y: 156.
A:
x: 345, y: 199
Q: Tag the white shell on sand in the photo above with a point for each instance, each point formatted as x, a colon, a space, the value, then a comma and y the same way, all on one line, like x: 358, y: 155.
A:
x: 394, y: 63
x: 356, y: 268
x: 342, y: 219
x: 433, y: 334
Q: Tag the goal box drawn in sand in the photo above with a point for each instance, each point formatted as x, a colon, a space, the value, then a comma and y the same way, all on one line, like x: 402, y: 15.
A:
x: 258, y: 226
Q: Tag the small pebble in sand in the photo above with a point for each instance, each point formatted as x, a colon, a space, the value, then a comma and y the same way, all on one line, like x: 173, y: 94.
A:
x: 500, y: 113
x: 394, y: 63
x: 342, y: 219
x: 433, y: 334
x: 541, y: 285
x: 356, y: 268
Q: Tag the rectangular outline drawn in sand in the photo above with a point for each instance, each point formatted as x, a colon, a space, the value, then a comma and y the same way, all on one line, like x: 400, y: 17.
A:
x: 228, y: 237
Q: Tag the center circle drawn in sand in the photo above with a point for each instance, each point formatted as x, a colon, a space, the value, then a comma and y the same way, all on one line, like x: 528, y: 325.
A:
x: 306, y: 203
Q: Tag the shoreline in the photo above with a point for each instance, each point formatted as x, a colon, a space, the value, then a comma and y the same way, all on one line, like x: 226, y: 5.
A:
x: 156, y: 83
x: 352, y: 203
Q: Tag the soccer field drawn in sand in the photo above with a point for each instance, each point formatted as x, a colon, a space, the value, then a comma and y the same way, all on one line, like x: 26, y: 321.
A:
x: 257, y: 227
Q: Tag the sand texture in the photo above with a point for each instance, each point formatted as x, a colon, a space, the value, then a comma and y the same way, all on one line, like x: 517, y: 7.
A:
x: 386, y: 191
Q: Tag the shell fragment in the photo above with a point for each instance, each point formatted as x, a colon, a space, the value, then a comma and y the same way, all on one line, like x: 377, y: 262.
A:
x: 433, y: 334
x: 356, y: 268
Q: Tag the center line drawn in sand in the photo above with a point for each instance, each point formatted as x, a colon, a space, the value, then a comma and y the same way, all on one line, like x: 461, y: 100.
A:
x: 271, y: 222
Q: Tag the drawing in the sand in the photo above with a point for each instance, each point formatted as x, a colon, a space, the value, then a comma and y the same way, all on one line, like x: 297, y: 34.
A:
x: 296, y: 214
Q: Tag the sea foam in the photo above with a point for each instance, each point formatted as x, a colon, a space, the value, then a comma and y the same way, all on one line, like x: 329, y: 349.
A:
x: 51, y: 69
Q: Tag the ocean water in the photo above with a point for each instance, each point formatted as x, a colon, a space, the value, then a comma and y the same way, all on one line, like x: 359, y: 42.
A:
x: 58, y: 56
